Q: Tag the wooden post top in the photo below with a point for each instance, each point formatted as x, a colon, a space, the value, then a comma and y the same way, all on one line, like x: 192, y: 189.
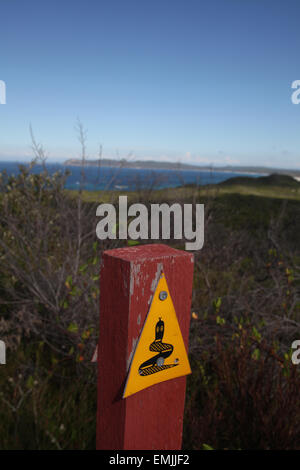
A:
x: 145, y: 252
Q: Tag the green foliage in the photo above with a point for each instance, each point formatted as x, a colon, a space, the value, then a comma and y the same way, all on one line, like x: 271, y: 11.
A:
x: 206, y: 447
x: 42, y: 407
x: 242, y: 397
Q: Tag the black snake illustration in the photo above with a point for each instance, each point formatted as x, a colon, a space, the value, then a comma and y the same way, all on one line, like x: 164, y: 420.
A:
x: 156, y: 363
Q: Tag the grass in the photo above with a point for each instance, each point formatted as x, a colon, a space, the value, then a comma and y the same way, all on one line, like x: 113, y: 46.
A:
x: 185, y: 193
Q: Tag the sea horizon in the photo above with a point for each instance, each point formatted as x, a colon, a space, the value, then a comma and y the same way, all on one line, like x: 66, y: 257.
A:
x: 129, y: 179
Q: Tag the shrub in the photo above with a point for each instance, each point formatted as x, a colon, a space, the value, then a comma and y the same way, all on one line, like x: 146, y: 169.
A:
x: 243, y: 396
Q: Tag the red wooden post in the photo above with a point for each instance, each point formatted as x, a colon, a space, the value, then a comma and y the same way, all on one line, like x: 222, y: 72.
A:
x: 153, y: 417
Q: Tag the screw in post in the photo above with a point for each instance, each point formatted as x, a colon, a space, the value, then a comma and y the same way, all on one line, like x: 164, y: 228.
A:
x: 163, y: 295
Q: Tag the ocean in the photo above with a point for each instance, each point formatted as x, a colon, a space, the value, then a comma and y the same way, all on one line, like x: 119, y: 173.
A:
x: 129, y: 179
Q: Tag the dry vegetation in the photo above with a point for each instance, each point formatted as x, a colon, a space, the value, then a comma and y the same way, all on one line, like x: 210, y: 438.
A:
x: 245, y: 315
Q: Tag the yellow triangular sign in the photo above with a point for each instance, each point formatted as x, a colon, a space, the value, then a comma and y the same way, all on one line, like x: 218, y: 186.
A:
x: 160, y: 352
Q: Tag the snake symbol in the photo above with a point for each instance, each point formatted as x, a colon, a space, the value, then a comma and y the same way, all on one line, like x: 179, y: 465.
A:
x: 164, y: 350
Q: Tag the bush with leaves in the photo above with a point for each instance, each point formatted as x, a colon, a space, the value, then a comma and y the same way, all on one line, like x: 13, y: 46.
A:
x: 243, y: 395
x: 49, y: 284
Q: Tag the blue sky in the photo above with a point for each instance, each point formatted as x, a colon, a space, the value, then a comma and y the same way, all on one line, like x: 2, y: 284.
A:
x: 205, y: 82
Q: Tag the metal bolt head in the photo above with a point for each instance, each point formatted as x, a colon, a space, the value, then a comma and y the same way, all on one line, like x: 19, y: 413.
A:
x: 163, y: 295
x: 160, y: 361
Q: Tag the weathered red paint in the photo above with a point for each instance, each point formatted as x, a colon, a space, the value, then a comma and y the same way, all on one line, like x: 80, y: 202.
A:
x: 152, y: 418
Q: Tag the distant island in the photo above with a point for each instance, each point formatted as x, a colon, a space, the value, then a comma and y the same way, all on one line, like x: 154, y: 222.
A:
x: 153, y: 164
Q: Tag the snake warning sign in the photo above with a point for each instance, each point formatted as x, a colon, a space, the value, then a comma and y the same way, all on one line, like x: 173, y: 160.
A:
x: 160, y: 353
